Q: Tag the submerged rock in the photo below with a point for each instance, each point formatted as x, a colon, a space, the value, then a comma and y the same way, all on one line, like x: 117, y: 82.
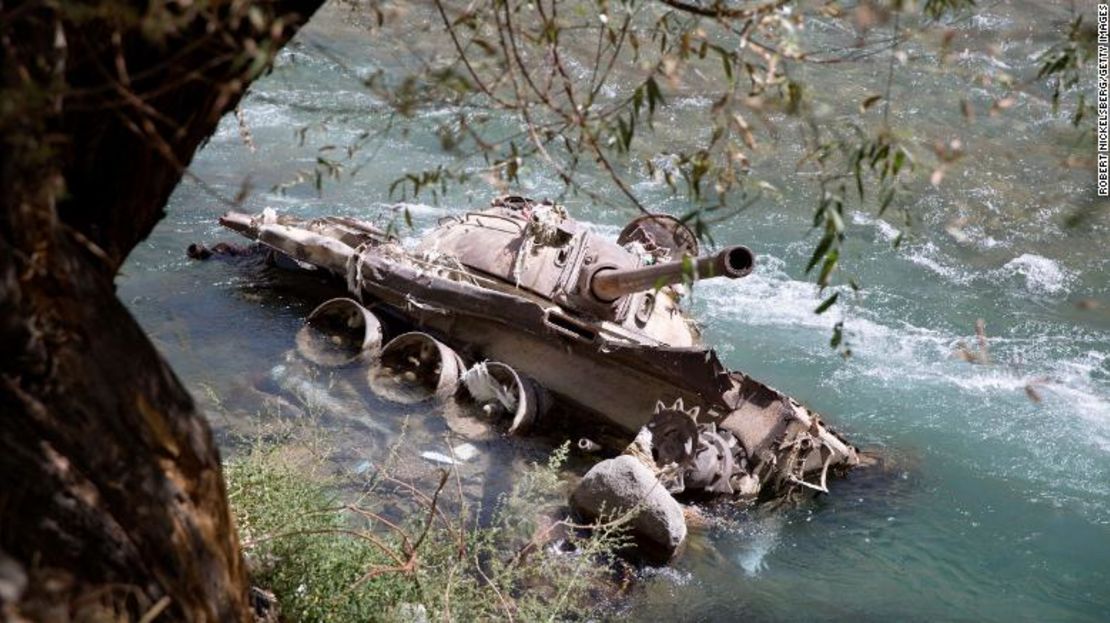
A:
x: 617, y: 485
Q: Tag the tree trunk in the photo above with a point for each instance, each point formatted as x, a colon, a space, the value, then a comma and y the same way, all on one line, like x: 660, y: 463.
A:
x: 112, y: 499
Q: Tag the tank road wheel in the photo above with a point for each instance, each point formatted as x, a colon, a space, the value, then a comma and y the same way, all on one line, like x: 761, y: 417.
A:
x: 339, y: 332
x: 414, y: 367
x: 687, y: 456
x: 498, y: 387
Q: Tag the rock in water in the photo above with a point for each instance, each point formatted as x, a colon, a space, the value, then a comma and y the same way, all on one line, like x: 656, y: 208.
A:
x: 623, y: 483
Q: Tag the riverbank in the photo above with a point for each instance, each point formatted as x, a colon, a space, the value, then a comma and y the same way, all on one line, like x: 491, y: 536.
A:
x: 369, y: 546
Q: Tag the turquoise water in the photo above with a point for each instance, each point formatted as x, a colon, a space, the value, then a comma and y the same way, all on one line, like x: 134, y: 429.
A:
x: 992, y: 506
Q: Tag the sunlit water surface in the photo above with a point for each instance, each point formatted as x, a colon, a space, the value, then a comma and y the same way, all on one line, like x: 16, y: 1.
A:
x: 995, y: 507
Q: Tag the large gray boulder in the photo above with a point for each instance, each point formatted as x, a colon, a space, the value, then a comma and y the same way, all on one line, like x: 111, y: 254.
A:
x: 618, y: 485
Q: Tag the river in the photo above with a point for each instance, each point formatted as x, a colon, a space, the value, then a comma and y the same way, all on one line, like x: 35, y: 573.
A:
x: 996, y: 502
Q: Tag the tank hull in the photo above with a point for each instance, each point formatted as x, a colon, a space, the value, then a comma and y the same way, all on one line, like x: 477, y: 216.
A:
x: 599, y: 370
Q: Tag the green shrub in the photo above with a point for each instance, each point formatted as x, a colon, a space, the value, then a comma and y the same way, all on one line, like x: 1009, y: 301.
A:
x: 397, y: 553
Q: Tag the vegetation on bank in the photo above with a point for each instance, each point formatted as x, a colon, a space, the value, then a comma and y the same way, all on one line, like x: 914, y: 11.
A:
x: 396, y: 552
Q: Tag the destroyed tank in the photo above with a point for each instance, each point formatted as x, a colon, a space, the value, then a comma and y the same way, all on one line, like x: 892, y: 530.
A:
x: 536, y: 316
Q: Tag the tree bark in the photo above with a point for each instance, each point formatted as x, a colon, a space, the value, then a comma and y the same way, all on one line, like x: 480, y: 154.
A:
x: 112, y: 499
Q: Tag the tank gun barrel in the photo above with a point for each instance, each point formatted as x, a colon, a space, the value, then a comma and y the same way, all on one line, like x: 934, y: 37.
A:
x: 611, y: 284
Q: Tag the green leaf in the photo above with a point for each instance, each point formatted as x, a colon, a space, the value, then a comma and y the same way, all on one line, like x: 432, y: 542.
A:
x: 819, y: 252
x: 826, y: 304
x: 826, y: 270
x: 869, y: 102
x: 880, y: 153
x: 794, y: 95
x: 654, y: 95
x: 885, y: 199
x: 624, y: 132
x: 688, y: 269
x: 899, y: 160
x: 1080, y: 109
x: 859, y: 173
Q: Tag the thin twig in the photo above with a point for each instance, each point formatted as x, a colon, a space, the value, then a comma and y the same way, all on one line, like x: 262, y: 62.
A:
x: 890, y: 71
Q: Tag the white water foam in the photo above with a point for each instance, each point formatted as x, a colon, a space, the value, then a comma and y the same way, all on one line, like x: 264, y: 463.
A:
x: 262, y: 115
x: 1043, y: 403
x: 1042, y: 275
x: 928, y: 256
x: 767, y: 298
x: 757, y: 539
x: 885, y: 230
x: 895, y: 355
x: 673, y: 576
